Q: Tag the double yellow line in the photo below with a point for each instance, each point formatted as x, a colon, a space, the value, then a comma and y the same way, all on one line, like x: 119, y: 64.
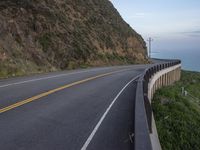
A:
x: 34, y: 98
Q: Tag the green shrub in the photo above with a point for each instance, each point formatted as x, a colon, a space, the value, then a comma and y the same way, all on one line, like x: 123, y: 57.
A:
x: 178, y: 119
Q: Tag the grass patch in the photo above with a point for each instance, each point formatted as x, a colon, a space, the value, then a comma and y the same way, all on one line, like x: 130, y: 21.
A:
x: 177, y: 116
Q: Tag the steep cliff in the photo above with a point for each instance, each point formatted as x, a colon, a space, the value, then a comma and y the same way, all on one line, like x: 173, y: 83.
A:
x: 47, y: 35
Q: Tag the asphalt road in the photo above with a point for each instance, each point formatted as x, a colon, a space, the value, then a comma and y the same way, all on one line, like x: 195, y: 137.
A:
x: 83, y: 109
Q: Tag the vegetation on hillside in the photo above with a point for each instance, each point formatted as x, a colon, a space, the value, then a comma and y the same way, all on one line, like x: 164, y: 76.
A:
x: 47, y: 35
x: 178, y: 116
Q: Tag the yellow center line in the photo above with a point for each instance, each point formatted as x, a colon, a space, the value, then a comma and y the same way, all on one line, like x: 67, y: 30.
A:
x: 31, y: 99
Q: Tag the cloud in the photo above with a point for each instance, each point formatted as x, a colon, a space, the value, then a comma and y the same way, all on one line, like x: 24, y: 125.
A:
x: 195, y: 33
x: 192, y: 32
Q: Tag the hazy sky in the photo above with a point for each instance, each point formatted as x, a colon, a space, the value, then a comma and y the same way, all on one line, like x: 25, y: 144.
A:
x: 174, y: 24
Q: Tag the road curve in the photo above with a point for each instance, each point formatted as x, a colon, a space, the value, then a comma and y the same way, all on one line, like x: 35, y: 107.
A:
x: 70, y: 110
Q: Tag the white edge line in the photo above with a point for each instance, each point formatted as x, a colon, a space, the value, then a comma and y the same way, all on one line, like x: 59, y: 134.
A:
x: 60, y: 75
x: 44, y: 78
x: 89, y: 139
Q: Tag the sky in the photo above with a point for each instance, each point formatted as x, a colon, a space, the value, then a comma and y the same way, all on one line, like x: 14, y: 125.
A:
x: 173, y: 24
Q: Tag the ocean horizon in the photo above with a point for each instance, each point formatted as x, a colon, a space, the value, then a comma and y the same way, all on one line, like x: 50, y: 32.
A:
x: 190, y: 58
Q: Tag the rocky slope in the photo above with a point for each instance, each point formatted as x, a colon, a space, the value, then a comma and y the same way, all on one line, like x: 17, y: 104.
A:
x: 47, y: 35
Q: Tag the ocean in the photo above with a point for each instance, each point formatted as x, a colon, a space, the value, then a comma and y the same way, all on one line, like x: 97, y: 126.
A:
x: 190, y: 58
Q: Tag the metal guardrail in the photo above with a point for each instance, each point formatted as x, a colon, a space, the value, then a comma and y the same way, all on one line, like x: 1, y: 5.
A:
x: 143, y: 110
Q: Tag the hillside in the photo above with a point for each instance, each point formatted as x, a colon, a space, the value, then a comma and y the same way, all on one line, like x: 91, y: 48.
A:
x: 48, y: 35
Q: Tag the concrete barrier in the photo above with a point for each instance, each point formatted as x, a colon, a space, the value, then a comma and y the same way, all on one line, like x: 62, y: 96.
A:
x: 155, y: 77
x: 162, y: 78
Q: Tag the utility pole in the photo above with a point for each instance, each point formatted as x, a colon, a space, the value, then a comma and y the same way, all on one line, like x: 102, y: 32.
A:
x: 150, y: 40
